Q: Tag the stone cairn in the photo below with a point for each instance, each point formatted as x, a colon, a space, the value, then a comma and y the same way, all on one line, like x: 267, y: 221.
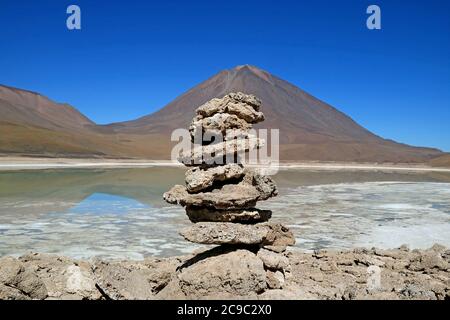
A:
x: 220, y: 199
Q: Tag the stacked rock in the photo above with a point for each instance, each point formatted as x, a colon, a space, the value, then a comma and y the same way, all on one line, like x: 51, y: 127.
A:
x: 220, y: 199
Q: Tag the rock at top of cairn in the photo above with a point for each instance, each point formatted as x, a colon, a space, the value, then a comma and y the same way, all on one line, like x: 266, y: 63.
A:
x: 243, y: 106
x: 227, y: 122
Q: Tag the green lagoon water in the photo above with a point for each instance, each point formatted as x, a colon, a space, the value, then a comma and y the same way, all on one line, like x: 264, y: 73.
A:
x: 119, y: 213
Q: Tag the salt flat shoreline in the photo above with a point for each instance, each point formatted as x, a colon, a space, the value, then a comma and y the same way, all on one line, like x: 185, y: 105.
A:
x: 21, y: 163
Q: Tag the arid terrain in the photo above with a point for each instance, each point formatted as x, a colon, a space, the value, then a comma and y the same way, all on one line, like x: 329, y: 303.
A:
x: 344, y: 275
x: 442, y: 161
x: 310, y: 129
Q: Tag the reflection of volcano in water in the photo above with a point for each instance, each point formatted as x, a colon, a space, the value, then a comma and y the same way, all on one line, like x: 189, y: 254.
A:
x: 99, y: 203
x: 68, y: 187
x: 119, y: 213
x: 381, y: 214
x: 43, y: 191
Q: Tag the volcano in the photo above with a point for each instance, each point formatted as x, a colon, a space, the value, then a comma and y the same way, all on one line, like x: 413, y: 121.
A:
x: 310, y: 129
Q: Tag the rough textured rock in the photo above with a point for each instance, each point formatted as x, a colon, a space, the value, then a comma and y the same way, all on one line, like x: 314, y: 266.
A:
x: 234, y: 274
x: 215, y: 153
x: 198, y: 179
x: 176, y: 194
x: 243, y: 106
x: 238, y: 216
x: 64, y: 278
x: 240, y: 196
x: 246, y: 98
x: 243, y: 195
x: 220, y: 123
x: 12, y: 293
x: 273, y: 260
x: 19, y: 282
x: 121, y: 281
x: 240, y: 134
x: 279, y: 235
x: 319, y: 275
x: 79, y: 281
x: 234, y: 233
x: 227, y: 197
x: 138, y: 280
x: 264, y: 184
x: 274, y: 279
x: 428, y: 260
x: 345, y: 274
x: 172, y: 291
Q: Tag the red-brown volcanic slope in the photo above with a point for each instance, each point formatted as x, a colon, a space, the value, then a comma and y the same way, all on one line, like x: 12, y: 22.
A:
x: 309, y: 128
x: 442, y: 161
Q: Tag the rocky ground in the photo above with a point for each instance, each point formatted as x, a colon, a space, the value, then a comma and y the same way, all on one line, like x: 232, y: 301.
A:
x: 220, y: 273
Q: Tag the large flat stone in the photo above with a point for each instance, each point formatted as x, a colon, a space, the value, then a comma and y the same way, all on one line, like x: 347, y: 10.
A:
x: 227, y: 197
x: 243, y: 195
x: 235, y: 233
x: 219, y: 153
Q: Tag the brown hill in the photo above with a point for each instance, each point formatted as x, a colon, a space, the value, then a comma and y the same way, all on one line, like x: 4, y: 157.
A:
x: 442, y: 161
x: 27, y: 107
x: 309, y: 128
x: 33, y: 125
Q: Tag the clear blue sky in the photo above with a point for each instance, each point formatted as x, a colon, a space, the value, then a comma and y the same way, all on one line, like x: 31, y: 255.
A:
x: 133, y: 57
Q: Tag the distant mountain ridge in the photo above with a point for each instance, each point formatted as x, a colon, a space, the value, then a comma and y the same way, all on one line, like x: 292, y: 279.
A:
x: 310, y: 129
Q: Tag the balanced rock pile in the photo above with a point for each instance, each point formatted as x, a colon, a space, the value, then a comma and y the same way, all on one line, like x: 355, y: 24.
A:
x: 220, y: 200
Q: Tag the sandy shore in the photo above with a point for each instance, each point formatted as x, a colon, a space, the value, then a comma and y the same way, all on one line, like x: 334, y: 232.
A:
x: 23, y: 163
x: 55, y: 163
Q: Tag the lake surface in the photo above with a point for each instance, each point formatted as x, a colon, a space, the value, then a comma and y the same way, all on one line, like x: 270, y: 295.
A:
x: 119, y: 213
